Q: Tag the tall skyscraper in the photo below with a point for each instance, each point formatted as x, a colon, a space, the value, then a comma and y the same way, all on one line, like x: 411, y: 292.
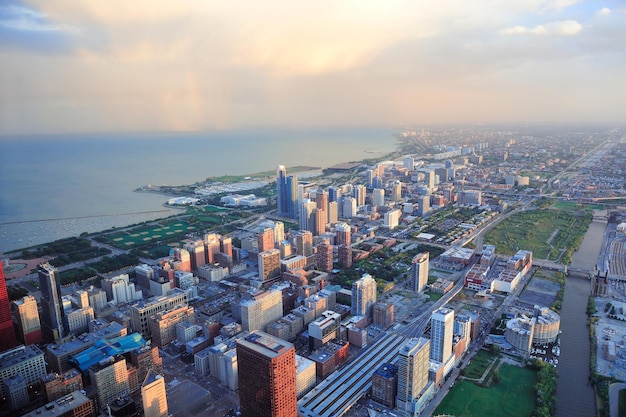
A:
x: 378, y: 197
x: 265, y: 239
x: 7, y: 332
x: 153, y: 396
x: 293, y: 204
x: 363, y: 296
x: 269, y: 264
x: 306, y: 210
x: 226, y: 245
x: 26, y: 317
x: 441, y: 334
x: 359, y: 193
x: 267, y: 376
x: 396, y: 191
x: 324, y: 257
x: 343, y: 234
x: 412, y: 371
x: 419, y: 271
x: 281, y: 190
x: 52, y: 315
x: 303, y: 242
x: 334, y: 193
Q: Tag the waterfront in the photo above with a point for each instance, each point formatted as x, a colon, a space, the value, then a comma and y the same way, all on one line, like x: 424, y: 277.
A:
x: 575, y: 395
x: 55, y: 187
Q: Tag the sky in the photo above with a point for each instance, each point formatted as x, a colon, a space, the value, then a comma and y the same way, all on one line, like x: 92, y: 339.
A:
x: 91, y: 66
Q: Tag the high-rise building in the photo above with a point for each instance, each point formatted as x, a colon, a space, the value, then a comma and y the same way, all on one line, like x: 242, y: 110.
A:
x: 226, y: 245
x: 334, y: 193
x: 412, y: 371
x: 343, y: 234
x: 363, y: 296
x: 324, y: 258
x: 385, y: 385
x: 163, y: 324
x: 212, y: 245
x: 7, y: 332
x: 267, y: 376
x: 306, y: 210
x: 16, y: 391
x: 441, y: 334
x: 141, y: 311
x: 153, y: 396
x: 419, y: 271
x: 423, y: 206
x: 26, y: 318
x: 392, y: 219
x: 110, y: 378
x: 261, y: 309
x: 321, y: 199
x: 197, y: 254
x: 58, y: 385
x: 281, y: 190
x: 52, y: 316
x: 359, y: 192
x: 409, y: 163
x: 349, y: 207
x: 383, y: 314
x: 344, y: 256
x: 292, y: 197
x: 318, y: 226
x: 146, y: 359
x: 265, y: 239
x: 28, y: 361
x: 303, y: 241
x: 269, y: 264
x: 78, y: 320
x: 378, y: 197
x: 396, y: 191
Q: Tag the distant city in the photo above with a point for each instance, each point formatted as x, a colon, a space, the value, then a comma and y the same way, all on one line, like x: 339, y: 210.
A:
x: 470, y: 271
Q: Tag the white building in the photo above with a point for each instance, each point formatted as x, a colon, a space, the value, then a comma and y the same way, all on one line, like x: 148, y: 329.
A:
x: 262, y: 309
x: 441, y: 334
x: 392, y: 219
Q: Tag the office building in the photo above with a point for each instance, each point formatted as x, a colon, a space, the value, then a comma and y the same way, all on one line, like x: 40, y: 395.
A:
x: 391, y: 219
x: 153, y: 396
x: 265, y: 239
x: 303, y: 242
x: 305, y: 214
x: 349, y: 207
x: 110, y: 378
x: 441, y: 334
x: 281, y: 190
x: 396, y: 191
x: 261, y: 309
x: 59, y: 385
x: 146, y: 359
x: 385, y: 385
x: 16, y: 391
x: 363, y: 296
x: 75, y: 404
x: 409, y: 162
x: 269, y: 264
x: 423, y: 205
x: 141, y: 311
x: 52, y: 316
x: 324, y: 257
x: 26, y: 318
x: 78, y: 320
x: 197, y: 255
x: 97, y: 299
x: 267, y: 376
x: 324, y: 329
x: 343, y: 233
x: 419, y: 271
x: 413, y: 366
x: 292, y: 197
x: 28, y: 361
x: 383, y: 314
x: 305, y: 375
x: 7, y: 331
x: 359, y: 192
x: 163, y: 324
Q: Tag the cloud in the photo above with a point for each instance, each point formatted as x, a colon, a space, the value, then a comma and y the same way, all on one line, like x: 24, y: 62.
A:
x: 564, y: 28
x: 604, y: 11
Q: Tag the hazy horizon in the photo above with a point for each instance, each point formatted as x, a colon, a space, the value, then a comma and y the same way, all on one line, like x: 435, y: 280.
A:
x: 77, y: 66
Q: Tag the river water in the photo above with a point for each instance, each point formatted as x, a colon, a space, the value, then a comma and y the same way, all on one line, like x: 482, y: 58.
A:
x: 575, y: 397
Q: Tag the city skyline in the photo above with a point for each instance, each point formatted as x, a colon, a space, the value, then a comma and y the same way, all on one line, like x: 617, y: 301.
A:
x: 77, y: 67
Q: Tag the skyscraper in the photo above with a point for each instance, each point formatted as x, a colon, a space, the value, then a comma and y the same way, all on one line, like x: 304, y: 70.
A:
x: 52, y: 315
x: 324, y: 257
x: 265, y: 239
x: 7, y: 332
x: 412, y: 371
x: 419, y: 271
x: 441, y: 334
x: 293, y: 203
x: 281, y: 190
x: 363, y: 296
x: 396, y: 191
x: 153, y: 396
x: 267, y: 376
x: 26, y: 317
x: 110, y: 378
x: 343, y: 234
x: 303, y: 241
x: 269, y: 264
x: 378, y: 197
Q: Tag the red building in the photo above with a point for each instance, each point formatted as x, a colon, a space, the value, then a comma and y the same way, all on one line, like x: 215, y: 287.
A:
x: 7, y: 332
x: 345, y: 256
x: 267, y: 376
x: 324, y: 258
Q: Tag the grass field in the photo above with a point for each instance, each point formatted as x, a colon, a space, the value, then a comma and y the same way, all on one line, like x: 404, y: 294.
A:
x: 139, y: 236
x: 548, y: 233
x: 479, y: 364
x: 513, y: 397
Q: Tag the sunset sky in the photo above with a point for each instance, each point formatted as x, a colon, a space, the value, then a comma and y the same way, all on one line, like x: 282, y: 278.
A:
x: 80, y: 66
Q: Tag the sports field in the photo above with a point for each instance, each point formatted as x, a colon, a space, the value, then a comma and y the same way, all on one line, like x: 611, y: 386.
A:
x: 513, y: 396
x: 149, y: 234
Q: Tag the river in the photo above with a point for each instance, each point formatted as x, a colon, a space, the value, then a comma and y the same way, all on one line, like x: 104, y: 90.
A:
x: 575, y: 397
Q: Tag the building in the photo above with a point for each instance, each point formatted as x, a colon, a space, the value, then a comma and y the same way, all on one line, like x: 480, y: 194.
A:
x: 261, y: 309
x: 305, y: 375
x: 324, y: 329
x: 292, y: 197
x: 391, y: 219
x: 348, y: 207
x: 269, y: 264
x: 378, y: 197
x: 75, y: 404
x: 7, y: 331
x: 281, y: 191
x: 413, y: 366
x: 303, y: 242
x: 110, y: 379
x: 141, y: 311
x: 383, y: 314
x: 16, y: 391
x: 52, y: 316
x: 28, y: 361
x: 59, y: 385
x: 78, y: 319
x: 385, y: 385
x: 267, y: 376
x: 26, y: 318
x: 97, y: 299
x: 363, y: 296
x: 120, y: 290
x: 265, y: 239
x: 344, y: 256
x: 163, y: 324
x: 146, y: 359
x: 441, y: 333
x: 419, y: 271
x: 324, y: 258
x: 396, y: 191
x: 343, y: 233
x: 153, y: 395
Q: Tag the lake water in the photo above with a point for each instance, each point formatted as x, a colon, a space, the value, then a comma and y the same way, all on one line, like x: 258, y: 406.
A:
x: 59, y: 186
